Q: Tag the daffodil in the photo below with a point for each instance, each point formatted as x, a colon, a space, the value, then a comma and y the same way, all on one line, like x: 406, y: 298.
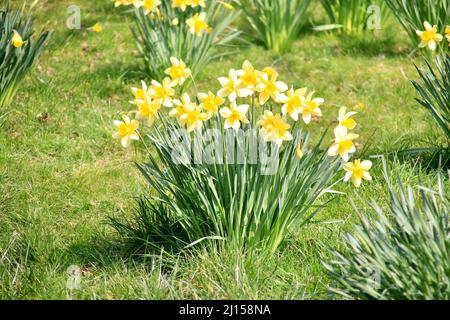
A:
x: 197, y: 23
x: 97, y: 28
x: 250, y: 76
x: 181, y: 106
x: 269, y: 87
x: 175, y: 21
x: 139, y: 93
x: 356, y: 171
x: 124, y: 2
x: 274, y: 128
x: 232, y: 87
x: 126, y: 131
x: 343, y: 144
x: 188, y: 113
x: 148, y: 109
x: 196, y: 3
x: 226, y: 5
x: 182, y: 4
x: 345, y: 118
x: 292, y: 102
x: 150, y: 5
x: 17, y: 40
x: 163, y: 91
x: 210, y: 103
x: 430, y: 37
x: 311, y: 107
x: 299, y: 152
x: 178, y: 71
x: 234, y: 115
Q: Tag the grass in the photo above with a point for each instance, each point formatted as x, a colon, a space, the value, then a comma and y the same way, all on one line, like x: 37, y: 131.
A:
x: 62, y: 175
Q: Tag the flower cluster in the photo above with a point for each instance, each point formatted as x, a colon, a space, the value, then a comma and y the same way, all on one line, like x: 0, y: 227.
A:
x: 278, y: 106
x: 430, y: 37
x: 343, y: 146
x: 197, y: 23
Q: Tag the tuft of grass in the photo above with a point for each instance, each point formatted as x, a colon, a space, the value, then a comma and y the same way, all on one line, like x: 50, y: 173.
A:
x: 401, y: 252
x: 275, y: 23
x: 16, y: 62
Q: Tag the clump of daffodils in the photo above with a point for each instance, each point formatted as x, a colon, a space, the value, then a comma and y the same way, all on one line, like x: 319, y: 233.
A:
x: 430, y: 37
x: 191, y: 30
x: 248, y: 98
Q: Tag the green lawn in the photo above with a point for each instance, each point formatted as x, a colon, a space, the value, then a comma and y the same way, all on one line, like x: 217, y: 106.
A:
x: 62, y: 174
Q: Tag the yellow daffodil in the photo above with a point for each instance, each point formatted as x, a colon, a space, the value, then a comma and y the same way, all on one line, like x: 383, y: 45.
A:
x: 447, y: 34
x: 250, y: 76
x: 343, y: 144
x: 188, y: 113
x: 181, y: 106
x: 197, y: 23
x: 270, y: 71
x: 356, y: 171
x: 97, y: 28
x: 148, y: 109
x: 360, y: 106
x: 226, y: 5
x: 126, y: 131
x: 124, y: 2
x: 430, y: 37
x: 178, y: 71
x: 310, y: 107
x: 175, y: 21
x: 150, y: 5
x: 231, y: 86
x: 182, y: 4
x: 345, y: 118
x: 234, y: 115
x: 139, y: 93
x: 299, y: 152
x: 17, y: 40
x: 274, y: 128
x: 292, y: 102
x: 193, y: 118
x: 210, y: 103
x: 269, y: 87
x: 163, y: 91
x: 196, y: 3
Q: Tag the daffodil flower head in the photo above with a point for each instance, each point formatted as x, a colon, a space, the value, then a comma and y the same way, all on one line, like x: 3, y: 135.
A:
x: 358, y: 170
x: 235, y: 115
x: 97, y: 28
x: 274, y: 128
x: 148, y: 109
x: 210, y: 103
x: 270, y: 87
x: 292, y: 102
x: 231, y: 86
x: 250, y: 76
x: 226, y: 5
x: 345, y: 118
x: 178, y: 71
x: 182, y: 4
x: 197, y: 23
x: 196, y: 3
x: 163, y: 91
x: 188, y: 113
x: 139, y: 93
x: 150, y: 5
x: 311, y: 107
x: 126, y: 131
x: 429, y: 37
x: 299, y: 151
x: 17, y: 40
x: 343, y: 144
